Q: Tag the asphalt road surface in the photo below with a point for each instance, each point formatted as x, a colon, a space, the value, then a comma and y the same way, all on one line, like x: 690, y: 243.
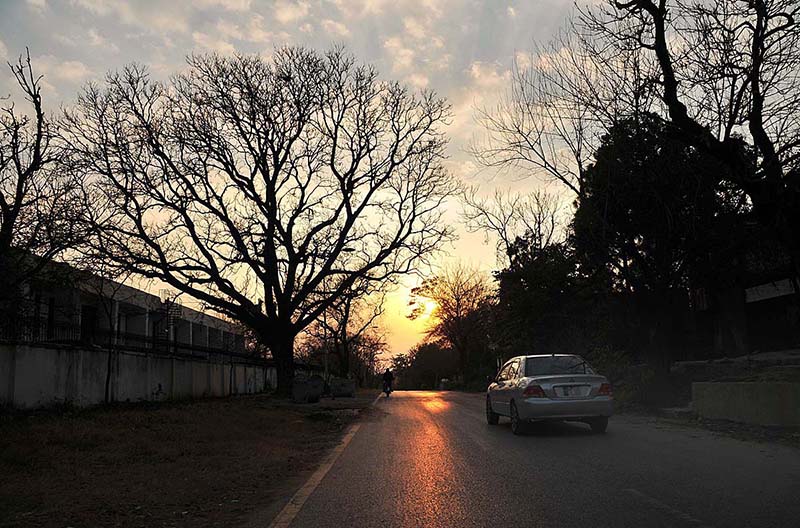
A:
x: 430, y: 459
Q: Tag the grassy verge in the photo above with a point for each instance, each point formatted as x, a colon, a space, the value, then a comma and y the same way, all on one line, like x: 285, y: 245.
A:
x: 204, y: 463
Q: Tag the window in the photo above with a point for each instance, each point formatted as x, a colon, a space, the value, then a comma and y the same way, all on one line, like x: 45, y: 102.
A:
x: 504, y: 373
x: 513, y: 370
x: 553, y: 365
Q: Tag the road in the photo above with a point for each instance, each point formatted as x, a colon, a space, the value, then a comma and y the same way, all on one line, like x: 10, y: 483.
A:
x: 429, y: 459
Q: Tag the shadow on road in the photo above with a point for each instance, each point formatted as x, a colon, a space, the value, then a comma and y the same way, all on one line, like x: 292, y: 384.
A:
x: 554, y: 429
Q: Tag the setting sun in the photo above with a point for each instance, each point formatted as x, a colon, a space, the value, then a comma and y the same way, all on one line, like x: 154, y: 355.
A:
x: 429, y: 311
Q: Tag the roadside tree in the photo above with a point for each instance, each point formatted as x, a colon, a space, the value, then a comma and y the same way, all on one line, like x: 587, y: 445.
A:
x: 508, y: 217
x: 264, y: 188
x: 728, y: 81
x: 37, y: 201
x: 652, y: 221
x: 425, y: 365
x: 460, y: 318
x: 348, y: 334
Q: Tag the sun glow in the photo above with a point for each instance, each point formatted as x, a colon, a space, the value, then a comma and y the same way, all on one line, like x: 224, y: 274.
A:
x: 429, y: 309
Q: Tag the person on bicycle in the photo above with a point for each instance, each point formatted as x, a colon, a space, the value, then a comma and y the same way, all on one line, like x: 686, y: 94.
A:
x: 388, y: 378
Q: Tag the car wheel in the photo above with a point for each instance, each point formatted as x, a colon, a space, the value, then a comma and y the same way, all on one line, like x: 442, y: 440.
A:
x: 599, y: 425
x: 517, y: 425
x: 492, y: 418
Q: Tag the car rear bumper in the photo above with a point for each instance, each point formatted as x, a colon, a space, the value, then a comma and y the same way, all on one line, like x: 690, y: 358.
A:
x: 547, y: 409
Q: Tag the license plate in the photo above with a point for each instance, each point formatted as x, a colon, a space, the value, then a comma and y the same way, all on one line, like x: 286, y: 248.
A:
x: 571, y: 391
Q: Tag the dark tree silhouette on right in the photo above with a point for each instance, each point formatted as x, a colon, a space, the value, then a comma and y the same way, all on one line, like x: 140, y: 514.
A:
x: 728, y: 72
x: 652, y: 222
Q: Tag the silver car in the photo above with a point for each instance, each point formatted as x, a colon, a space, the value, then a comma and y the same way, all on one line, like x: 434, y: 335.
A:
x: 554, y: 387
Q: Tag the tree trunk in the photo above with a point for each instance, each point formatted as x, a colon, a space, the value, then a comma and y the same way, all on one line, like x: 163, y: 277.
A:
x: 283, y: 352
x: 344, y: 370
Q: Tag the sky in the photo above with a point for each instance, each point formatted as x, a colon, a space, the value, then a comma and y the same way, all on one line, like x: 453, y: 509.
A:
x: 462, y: 49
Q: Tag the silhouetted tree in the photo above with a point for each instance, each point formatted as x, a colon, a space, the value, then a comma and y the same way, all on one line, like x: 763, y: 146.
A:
x: 562, y: 98
x: 728, y: 81
x: 462, y: 298
x: 424, y: 366
x: 37, y: 207
x: 266, y: 189
x: 650, y: 215
x: 510, y: 216
x: 348, y: 330
x: 544, y: 304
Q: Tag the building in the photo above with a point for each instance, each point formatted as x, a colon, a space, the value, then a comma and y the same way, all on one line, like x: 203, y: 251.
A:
x: 72, y: 338
x: 74, y: 307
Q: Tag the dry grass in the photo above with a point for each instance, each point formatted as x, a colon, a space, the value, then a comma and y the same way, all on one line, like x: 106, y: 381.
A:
x: 207, y: 463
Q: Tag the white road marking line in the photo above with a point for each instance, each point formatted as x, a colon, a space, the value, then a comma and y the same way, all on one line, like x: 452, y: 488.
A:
x: 295, y: 504
x: 658, y: 505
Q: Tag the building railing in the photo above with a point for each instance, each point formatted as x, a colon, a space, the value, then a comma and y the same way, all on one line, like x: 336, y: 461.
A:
x: 32, y: 331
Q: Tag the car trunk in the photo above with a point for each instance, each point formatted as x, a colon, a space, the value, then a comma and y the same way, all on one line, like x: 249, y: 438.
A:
x: 569, y: 386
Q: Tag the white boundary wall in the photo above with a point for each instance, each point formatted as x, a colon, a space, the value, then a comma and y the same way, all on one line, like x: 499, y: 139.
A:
x: 44, y: 376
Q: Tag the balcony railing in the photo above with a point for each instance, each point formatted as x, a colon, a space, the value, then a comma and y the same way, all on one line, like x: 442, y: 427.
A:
x: 31, y: 331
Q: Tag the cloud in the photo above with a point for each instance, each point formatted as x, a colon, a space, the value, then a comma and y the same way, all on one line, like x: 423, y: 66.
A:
x: 333, y: 27
x: 253, y: 31
x: 71, y: 71
x: 360, y: 8
x: 511, y: 12
x: 59, y: 72
x: 419, y: 48
x: 37, y: 5
x: 414, y: 28
x: 96, y: 39
x: 287, y: 11
x: 418, y: 80
x: 212, y: 43
x: 488, y: 75
x: 165, y: 17
x: 228, y: 5
x: 402, y: 57
x: 227, y: 29
x: 98, y: 7
x: 523, y: 60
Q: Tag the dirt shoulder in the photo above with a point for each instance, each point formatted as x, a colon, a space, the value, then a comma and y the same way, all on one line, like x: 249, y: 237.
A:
x: 204, y: 463
x: 789, y: 436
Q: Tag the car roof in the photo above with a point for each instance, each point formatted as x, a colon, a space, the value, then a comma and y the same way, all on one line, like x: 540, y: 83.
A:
x: 540, y: 356
x: 549, y: 355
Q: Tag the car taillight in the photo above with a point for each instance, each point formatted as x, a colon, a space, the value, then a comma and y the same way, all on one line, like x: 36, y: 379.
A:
x: 533, y: 391
x: 605, y: 390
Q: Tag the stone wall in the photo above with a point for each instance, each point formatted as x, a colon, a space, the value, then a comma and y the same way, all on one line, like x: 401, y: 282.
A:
x: 772, y: 403
x: 36, y: 376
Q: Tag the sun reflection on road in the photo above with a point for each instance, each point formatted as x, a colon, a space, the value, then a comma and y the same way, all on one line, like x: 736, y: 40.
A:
x: 430, y: 478
x: 435, y: 405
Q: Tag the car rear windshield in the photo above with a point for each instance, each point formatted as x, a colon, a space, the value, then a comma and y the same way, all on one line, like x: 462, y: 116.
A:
x: 545, y: 366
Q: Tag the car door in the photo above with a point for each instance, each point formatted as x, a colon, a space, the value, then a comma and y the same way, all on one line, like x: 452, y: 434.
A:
x: 512, y: 385
x: 509, y: 384
x: 497, y: 393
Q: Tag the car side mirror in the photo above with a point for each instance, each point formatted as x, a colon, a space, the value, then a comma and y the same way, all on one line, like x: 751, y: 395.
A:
x: 489, y: 379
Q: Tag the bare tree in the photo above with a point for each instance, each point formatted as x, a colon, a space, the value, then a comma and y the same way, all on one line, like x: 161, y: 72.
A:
x: 461, y: 297
x: 511, y: 216
x: 343, y: 328
x: 36, y: 199
x: 562, y: 98
x: 728, y: 77
x: 265, y: 189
